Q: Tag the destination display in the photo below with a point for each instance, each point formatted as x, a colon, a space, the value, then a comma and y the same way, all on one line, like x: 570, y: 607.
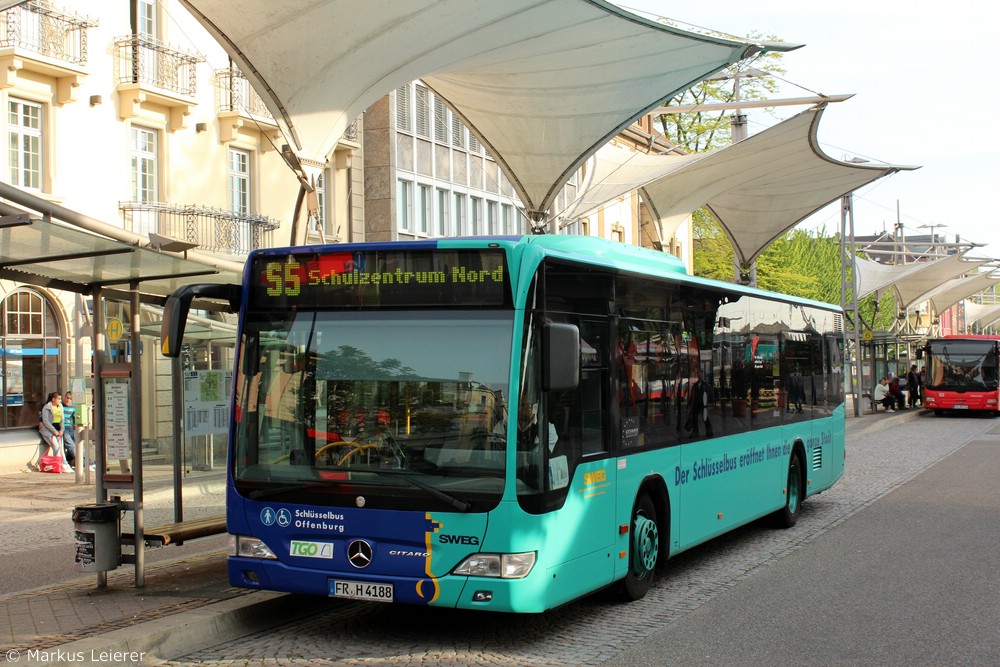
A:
x: 380, y: 278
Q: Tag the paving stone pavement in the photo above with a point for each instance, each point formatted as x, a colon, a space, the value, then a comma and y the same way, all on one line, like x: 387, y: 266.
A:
x: 883, y: 452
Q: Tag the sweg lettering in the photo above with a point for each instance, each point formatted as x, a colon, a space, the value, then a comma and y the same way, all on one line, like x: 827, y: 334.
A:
x: 459, y: 539
x: 595, y: 477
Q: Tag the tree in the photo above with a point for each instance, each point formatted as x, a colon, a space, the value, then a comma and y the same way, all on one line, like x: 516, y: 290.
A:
x: 799, y: 263
x: 699, y: 131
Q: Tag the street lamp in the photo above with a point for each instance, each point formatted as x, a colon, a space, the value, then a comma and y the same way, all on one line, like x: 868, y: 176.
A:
x: 932, y: 226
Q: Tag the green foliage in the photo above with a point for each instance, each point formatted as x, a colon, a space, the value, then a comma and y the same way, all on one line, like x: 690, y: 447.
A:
x: 700, y: 131
x: 799, y: 263
x: 713, y: 253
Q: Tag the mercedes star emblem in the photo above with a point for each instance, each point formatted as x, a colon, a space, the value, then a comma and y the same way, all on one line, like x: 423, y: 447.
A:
x: 359, y: 553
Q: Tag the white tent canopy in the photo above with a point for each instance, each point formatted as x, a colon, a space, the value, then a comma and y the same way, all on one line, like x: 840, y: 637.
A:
x: 763, y: 186
x: 953, y: 291
x: 542, y: 83
x: 874, y: 277
x: 916, y: 282
x: 918, y: 285
x: 757, y: 189
x: 984, y: 314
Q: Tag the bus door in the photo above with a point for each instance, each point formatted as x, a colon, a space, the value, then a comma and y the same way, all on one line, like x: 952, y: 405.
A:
x: 580, y: 496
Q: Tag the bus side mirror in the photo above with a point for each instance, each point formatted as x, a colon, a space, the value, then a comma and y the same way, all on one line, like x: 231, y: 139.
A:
x: 175, y: 311
x: 920, y: 353
x: 560, y: 357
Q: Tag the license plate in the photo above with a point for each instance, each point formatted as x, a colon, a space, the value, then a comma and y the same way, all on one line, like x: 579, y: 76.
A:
x: 361, y: 590
x: 961, y: 407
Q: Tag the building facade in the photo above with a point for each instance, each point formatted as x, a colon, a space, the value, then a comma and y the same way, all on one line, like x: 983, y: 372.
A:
x: 131, y: 114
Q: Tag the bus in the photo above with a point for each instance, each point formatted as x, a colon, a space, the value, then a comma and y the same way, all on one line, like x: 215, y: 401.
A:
x: 961, y: 374
x: 510, y: 423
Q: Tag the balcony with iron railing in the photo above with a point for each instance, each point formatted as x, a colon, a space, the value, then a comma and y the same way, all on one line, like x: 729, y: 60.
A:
x: 212, y: 229
x: 40, y: 38
x: 150, y: 71
x: 236, y: 101
x: 233, y: 93
x: 236, y: 98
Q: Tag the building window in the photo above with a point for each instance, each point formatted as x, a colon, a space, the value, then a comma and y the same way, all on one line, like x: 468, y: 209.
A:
x: 30, y: 339
x: 322, y: 205
x: 145, y: 23
x: 423, y: 112
x: 423, y: 209
x: 457, y: 132
x: 508, y: 220
x: 441, y: 220
x: 440, y: 122
x: 459, y: 213
x: 24, y: 138
x: 144, y: 166
x: 404, y: 116
x: 239, y: 181
x: 404, y: 206
x: 146, y: 29
x: 477, y: 215
x: 492, y: 217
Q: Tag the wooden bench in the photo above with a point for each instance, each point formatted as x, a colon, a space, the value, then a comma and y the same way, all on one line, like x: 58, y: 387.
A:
x: 177, y: 533
x: 872, y: 403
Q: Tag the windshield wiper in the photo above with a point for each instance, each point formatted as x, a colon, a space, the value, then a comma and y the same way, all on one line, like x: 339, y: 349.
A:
x: 275, y: 490
x: 457, y: 503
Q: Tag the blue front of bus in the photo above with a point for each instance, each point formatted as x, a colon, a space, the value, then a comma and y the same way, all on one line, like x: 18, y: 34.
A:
x: 377, y: 555
x: 368, y: 449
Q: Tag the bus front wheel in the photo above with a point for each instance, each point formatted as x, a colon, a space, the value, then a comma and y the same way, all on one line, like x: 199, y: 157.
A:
x: 644, y: 550
x: 794, y: 495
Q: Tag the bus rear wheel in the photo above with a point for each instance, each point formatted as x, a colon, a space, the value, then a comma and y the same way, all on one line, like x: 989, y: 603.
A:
x: 644, y: 550
x: 794, y: 495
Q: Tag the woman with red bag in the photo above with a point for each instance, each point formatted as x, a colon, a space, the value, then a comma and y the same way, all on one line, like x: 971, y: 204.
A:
x: 51, y: 430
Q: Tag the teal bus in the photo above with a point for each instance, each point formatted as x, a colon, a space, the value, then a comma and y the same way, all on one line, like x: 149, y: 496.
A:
x: 510, y: 423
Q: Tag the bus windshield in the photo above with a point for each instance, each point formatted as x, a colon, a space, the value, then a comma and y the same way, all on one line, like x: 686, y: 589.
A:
x: 401, y: 408
x: 962, y: 364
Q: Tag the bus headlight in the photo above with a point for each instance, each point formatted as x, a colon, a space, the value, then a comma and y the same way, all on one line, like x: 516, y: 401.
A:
x: 249, y: 547
x: 504, y: 566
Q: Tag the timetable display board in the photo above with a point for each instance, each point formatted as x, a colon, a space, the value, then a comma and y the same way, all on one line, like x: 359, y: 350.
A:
x: 381, y: 278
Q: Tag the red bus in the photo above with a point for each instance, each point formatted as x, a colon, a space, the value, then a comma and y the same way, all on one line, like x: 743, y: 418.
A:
x: 962, y: 374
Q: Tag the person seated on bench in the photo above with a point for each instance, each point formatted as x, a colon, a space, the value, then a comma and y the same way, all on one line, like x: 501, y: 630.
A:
x: 881, y: 395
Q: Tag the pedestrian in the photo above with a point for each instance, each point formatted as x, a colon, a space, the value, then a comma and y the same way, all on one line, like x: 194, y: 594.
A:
x: 897, y: 394
x: 69, y: 427
x: 881, y: 395
x: 920, y: 377
x: 51, y: 427
x: 912, y: 386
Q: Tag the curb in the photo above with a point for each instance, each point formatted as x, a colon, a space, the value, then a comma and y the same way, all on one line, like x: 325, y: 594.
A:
x: 180, y: 634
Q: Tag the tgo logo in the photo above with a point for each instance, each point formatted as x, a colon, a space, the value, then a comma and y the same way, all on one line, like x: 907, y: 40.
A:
x: 311, y: 549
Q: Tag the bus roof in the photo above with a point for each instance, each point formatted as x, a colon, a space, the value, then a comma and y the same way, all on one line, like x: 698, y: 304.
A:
x: 587, y: 249
x: 965, y: 337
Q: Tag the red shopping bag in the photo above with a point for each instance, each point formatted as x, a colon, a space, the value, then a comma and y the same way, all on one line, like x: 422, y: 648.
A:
x: 50, y: 464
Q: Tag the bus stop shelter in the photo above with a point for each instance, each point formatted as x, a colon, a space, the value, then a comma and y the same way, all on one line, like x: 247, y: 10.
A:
x: 39, y: 251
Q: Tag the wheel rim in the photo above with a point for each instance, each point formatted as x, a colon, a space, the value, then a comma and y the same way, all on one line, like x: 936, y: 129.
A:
x: 645, y: 545
x: 793, y: 489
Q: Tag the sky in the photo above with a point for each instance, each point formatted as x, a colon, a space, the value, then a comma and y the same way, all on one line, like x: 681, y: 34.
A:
x: 926, y: 92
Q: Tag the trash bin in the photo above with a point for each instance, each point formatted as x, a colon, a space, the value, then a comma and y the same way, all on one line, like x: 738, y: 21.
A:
x: 98, y: 532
